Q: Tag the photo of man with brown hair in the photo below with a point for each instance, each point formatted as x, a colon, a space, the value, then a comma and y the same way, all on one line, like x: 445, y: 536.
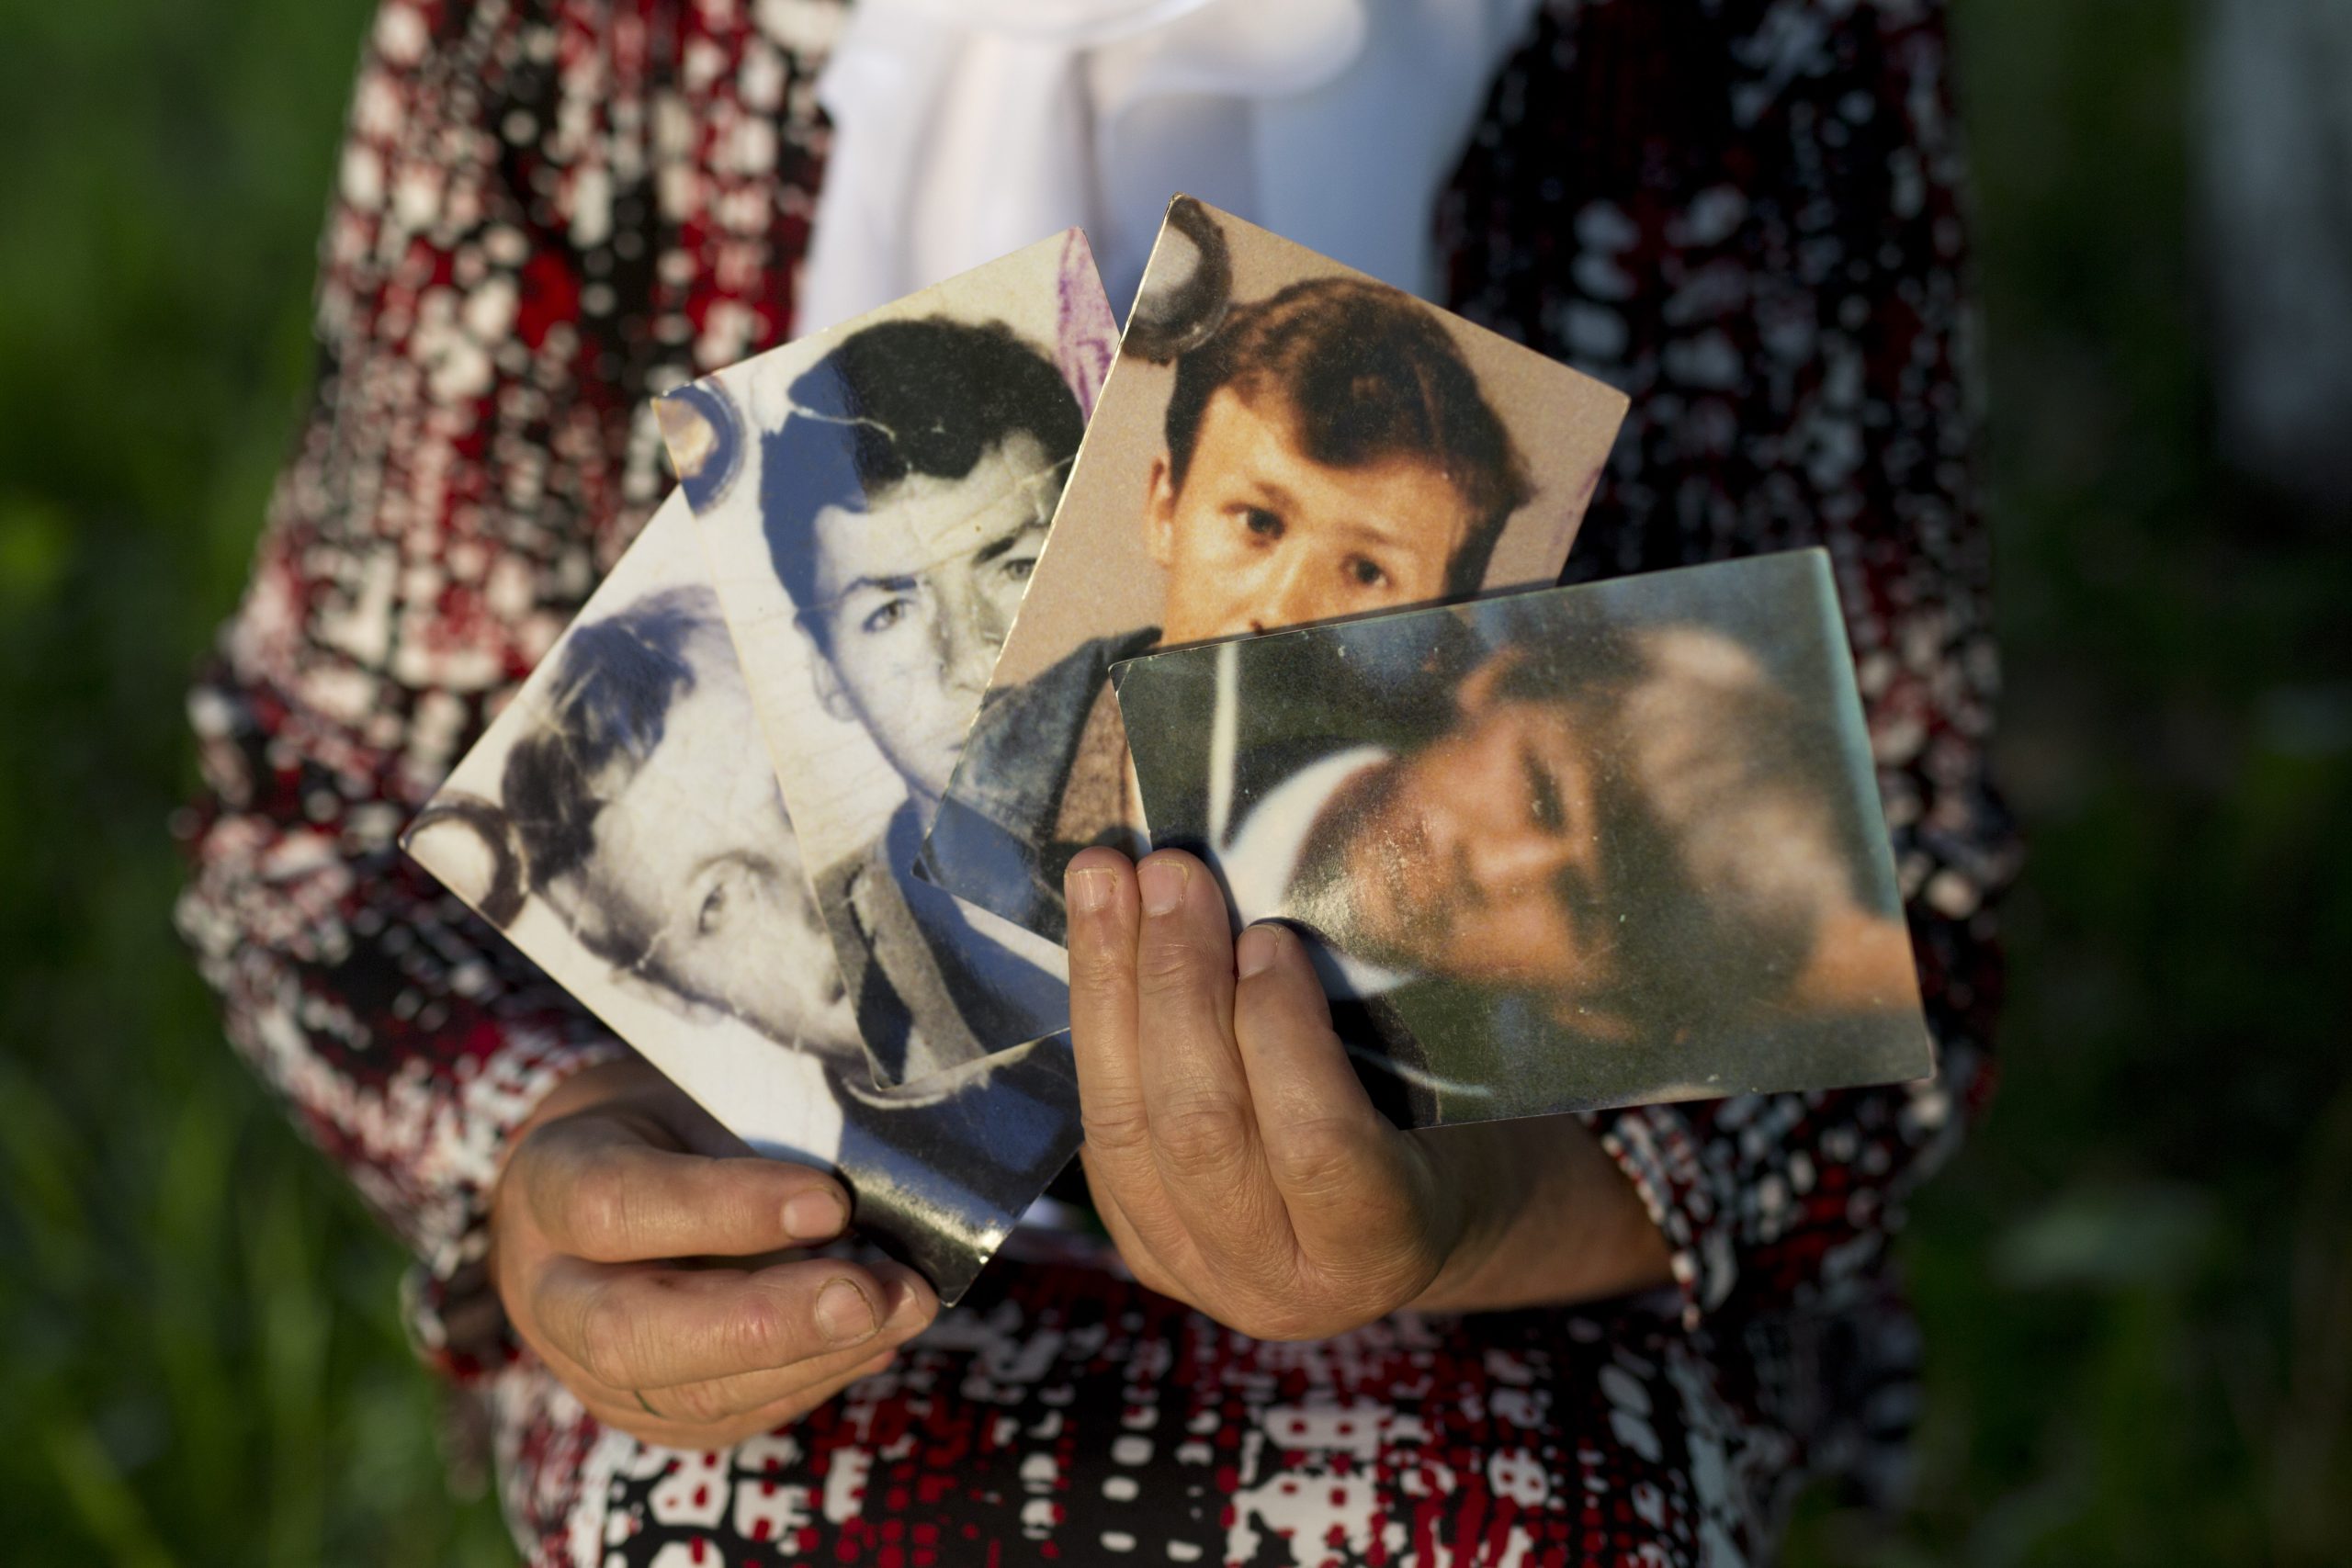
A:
x: 1327, y: 451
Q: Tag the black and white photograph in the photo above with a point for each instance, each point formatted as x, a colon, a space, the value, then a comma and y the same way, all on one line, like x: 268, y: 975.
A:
x: 872, y: 501
x: 616, y: 826
x: 1577, y: 847
x: 1282, y: 441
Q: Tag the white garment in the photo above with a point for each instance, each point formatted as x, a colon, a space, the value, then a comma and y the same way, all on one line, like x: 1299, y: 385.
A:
x: 1261, y: 862
x: 967, y: 129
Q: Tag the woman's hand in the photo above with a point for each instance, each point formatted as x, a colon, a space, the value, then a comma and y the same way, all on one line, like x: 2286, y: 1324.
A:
x: 1241, y: 1166
x: 615, y: 1193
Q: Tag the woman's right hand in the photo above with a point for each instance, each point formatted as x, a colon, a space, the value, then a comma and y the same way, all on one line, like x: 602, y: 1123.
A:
x: 631, y: 1241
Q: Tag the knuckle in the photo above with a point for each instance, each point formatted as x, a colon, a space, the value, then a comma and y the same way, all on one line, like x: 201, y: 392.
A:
x: 597, y: 1207
x: 1289, y: 1008
x: 1317, y: 1159
x: 608, y: 1345
x: 1261, y: 1318
x: 1291, y: 1310
x: 1168, y: 964
x: 1205, y: 1134
x: 1395, y: 1265
x: 1115, y: 1130
x: 759, y: 1332
x: 1292, y: 1325
x: 544, y: 1170
x: 533, y: 1158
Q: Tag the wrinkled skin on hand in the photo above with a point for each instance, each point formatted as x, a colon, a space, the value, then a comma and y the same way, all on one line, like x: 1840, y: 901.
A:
x: 653, y: 1263
x: 1241, y: 1166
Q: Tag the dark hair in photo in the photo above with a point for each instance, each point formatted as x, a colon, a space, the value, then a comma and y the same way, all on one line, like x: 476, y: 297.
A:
x: 1366, y: 373
x: 609, y: 707
x: 930, y: 396
x: 1694, y: 779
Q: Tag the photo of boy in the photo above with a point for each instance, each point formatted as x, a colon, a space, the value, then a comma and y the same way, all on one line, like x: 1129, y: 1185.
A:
x: 904, y: 500
x: 1326, y: 448
x: 1559, y: 851
x: 896, y: 480
x: 614, y: 824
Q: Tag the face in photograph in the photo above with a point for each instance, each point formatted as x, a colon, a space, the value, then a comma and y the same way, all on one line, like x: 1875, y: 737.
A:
x: 1287, y: 444
x: 1643, y: 846
x: 660, y: 835
x: 638, y: 849
x: 1329, y: 453
x: 1479, y: 856
x: 1587, y: 846
x: 915, y: 593
x: 905, y: 501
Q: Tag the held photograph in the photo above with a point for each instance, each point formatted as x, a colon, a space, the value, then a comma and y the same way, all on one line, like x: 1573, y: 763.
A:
x: 1559, y: 851
x: 872, y: 501
x: 356, y: 343
x: 618, y: 827
x: 1281, y: 442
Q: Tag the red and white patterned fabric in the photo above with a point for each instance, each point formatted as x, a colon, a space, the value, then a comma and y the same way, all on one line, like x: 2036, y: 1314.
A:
x: 1748, y: 214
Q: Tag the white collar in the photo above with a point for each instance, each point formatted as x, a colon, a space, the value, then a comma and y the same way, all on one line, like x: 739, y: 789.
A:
x: 1261, y: 862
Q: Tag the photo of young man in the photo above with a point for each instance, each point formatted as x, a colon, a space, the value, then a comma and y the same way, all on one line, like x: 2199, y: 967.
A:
x: 1556, y: 861
x: 874, y: 500
x: 1326, y: 449
x: 904, y: 500
x: 618, y: 795
x: 639, y: 821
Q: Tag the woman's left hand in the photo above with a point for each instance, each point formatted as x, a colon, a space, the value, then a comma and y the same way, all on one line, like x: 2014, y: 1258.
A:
x: 1240, y: 1167
x: 1235, y: 1157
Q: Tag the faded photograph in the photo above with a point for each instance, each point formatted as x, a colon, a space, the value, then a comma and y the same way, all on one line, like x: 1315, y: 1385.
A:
x: 1283, y: 442
x: 874, y: 500
x: 617, y: 827
x: 1585, y: 847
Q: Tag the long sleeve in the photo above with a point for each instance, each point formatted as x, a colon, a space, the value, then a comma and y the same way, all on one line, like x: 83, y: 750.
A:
x: 544, y: 215
x: 1748, y: 217
x: 1766, y: 252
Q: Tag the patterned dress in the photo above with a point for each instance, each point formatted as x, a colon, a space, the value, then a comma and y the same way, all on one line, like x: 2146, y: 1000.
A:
x: 1746, y: 213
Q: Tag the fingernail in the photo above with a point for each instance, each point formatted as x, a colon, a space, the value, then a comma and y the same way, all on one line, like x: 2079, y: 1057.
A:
x: 1161, y: 881
x: 1088, y: 890
x: 1254, y: 954
x: 844, y: 1315
x: 814, y: 1216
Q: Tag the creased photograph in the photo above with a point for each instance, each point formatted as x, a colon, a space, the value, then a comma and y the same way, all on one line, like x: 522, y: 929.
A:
x: 1281, y: 442
x: 619, y: 827
x: 1577, y: 847
x: 873, y: 501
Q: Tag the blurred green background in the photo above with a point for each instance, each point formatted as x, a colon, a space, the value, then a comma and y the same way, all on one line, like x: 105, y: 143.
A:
x: 2137, y: 1283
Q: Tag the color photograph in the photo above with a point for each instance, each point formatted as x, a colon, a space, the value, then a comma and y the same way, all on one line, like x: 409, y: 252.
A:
x: 529, y: 1199
x: 1282, y: 441
x: 1557, y: 850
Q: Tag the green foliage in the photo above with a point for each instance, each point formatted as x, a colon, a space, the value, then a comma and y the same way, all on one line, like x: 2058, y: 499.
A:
x: 2137, y: 1283
x: 199, y: 1352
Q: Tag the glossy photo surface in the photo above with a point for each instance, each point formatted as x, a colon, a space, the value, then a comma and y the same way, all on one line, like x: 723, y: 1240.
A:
x: 873, y: 501
x: 620, y: 824
x: 1575, y: 848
